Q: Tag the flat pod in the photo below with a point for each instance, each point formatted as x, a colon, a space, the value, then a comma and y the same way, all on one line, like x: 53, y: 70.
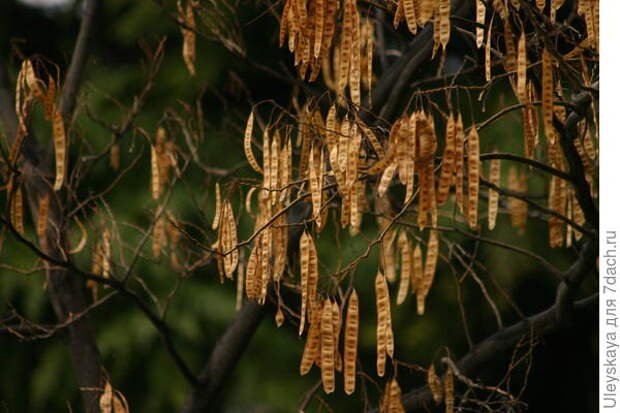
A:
x: 350, y: 343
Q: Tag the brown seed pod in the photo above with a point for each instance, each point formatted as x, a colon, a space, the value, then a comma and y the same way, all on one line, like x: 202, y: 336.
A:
x: 405, y: 267
x: 409, y: 10
x: 448, y: 384
x: 459, y: 164
x: 418, y: 269
x: 394, y: 404
x: 355, y: 69
x: 494, y: 178
x: 336, y: 328
x: 350, y: 343
x: 60, y: 149
x: 383, y: 320
x: 247, y: 144
x: 327, y: 349
x: 304, y: 250
x: 426, y: 282
x: 313, y: 343
x: 444, y: 23
x: 448, y: 163
x: 480, y: 18
x: 189, y: 35
x: 547, y: 96
x: 434, y: 383
x: 16, y: 213
x: 473, y: 175
x: 44, y: 204
x: 522, y: 69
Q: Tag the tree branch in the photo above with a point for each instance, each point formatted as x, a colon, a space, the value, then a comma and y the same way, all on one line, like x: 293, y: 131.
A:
x: 224, y: 357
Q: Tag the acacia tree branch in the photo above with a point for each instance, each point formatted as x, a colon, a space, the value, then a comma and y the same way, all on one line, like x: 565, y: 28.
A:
x: 73, y: 81
x: 224, y: 356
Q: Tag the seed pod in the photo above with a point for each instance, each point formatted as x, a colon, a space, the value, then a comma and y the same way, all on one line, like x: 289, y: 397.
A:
x: 386, y: 178
x: 394, y: 402
x: 314, y: 167
x: 189, y: 36
x: 16, y: 213
x: 355, y: 73
x: 399, y: 14
x: 444, y: 23
x: 345, y: 46
x: 522, y: 69
x: 547, y: 96
x: 418, y: 270
x: 350, y: 343
x: 42, y: 214
x: 494, y: 178
x: 426, y: 11
x: 313, y: 342
x: 60, y: 149
x: 405, y: 267
x: 228, y: 234
x: 447, y: 166
x: 434, y: 383
x: 448, y: 384
x: 426, y: 282
x: 304, y: 250
x: 106, y: 254
x: 159, y: 234
x: 247, y: 144
x: 480, y: 18
x: 253, y: 271
x: 336, y: 328
x: 383, y: 310
x: 487, y: 53
x: 327, y: 349
x: 218, y: 207
x: 409, y: 10
x: 459, y: 162
x: 319, y: 18
x: 473, y: 168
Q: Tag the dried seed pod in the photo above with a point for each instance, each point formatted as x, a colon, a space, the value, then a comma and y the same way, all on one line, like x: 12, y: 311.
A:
x: 247, y: 144
x: 218, y: 207
x: 409, y: 10
x: 432, y: 253
x: 304, y: 250
x: 228, y: 239
x: 494, y: 178
x: 327, y: 349
x: 319, y: 16
x: 44, y: 204
x: 434, y: 383
x: 405, y: 267
x: 386, y: 178
x: 418, y: 269
x: 444, y: 23
x: 350, y: 343
x: 459, y: 166
x: 253, y: 271
x: 448, y: 164
x: 16, y: 212
x: 487, y: 53
x: 313, y: 343
x: 426, y: 11
x: 336, y: 329
x: 60, y: 149
x: 355, y: 70
x: 547, y: 96
x: 106, y: 254
x: 189, y: 35
x: 448, y: 384
x: 522, y: 69
x: 345, y: 46
x: 394, y: 404
x: 383, y: 314
x: 159, y: 235
x: 480, y: 18
x: 473, y: 175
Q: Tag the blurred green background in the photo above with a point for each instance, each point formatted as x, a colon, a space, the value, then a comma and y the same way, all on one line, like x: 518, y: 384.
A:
x: 37, y: 375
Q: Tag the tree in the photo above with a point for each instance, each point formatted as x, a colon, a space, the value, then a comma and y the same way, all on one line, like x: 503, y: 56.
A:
x: 336, y: 185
